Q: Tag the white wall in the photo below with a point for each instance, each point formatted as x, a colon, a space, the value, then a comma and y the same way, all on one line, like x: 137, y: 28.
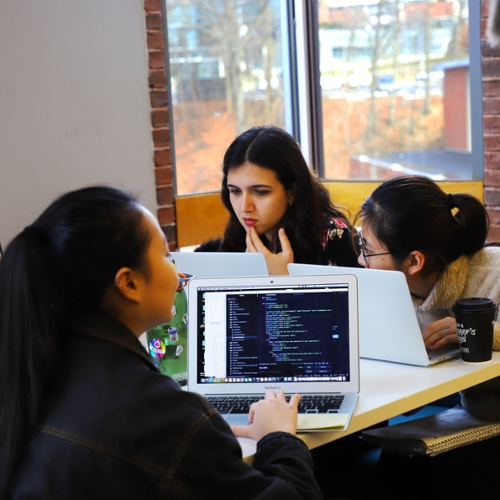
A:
x: 74, y: 103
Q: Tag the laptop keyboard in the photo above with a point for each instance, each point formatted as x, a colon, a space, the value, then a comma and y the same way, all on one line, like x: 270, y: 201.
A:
x: 318, y: 403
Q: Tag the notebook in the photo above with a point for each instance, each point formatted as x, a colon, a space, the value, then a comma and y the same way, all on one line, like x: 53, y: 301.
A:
x: 434, y: 434
x: 388, y: 326
x: 247, y: 335
x: 212, y: 264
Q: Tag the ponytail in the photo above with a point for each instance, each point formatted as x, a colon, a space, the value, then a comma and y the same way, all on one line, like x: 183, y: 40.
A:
x: 472, y: 223
x: 410, y: 213
x: 30, y: 326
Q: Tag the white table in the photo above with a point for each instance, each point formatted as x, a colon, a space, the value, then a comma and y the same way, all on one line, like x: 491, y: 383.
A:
x: 390, y: 389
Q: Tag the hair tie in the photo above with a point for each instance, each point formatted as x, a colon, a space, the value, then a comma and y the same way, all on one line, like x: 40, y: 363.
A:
x: 451, y: 202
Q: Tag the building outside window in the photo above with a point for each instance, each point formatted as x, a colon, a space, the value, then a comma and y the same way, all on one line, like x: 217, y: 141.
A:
x: 392, y: 84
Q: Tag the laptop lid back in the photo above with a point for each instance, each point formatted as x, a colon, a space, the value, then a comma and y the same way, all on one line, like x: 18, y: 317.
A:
x: 388, y: 325
x: 213, y: 264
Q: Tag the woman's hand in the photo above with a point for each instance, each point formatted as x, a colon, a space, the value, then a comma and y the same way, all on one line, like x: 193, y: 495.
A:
x: 440, y: 332
x: 271, y: 414
x: 276, y: 262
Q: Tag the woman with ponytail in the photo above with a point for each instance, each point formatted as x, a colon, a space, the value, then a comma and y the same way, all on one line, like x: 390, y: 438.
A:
x: 437, y: 240
x: 84, y: 413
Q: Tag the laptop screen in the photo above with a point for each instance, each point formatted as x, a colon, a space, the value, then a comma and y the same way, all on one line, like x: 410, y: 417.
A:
x: 274, y: 333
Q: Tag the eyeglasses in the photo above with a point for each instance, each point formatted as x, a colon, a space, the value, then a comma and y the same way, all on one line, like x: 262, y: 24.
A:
x: 363, y: 250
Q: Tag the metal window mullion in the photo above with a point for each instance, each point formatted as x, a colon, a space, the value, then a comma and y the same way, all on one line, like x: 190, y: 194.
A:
x: 308, y: 86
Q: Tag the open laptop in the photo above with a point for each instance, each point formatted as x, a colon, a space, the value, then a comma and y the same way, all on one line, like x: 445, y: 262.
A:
x: 213, y: 264
x: 247, y: 335
x: 388, y: 326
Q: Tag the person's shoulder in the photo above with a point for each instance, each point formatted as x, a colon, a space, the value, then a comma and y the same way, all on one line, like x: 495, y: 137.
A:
x: 212, y: 245
x: 332, y: 221
x: 334, y: 228
x: 488, y: 255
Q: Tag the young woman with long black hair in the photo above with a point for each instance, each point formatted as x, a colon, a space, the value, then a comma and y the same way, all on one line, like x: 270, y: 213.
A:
x: 278, y: 207
x: 84, y: 413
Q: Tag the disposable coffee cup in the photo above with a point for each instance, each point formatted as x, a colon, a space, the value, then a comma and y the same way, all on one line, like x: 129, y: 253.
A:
x: 475, y: 319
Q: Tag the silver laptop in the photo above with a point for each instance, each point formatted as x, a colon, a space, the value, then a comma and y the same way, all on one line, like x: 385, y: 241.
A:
x: 248, y: 335
x: 388, y: 326
x: 213, y: 264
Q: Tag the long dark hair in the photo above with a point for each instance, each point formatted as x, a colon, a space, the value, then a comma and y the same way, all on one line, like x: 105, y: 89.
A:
x: 410, y: 213
x: 59, y: 265
x: 273, y: 148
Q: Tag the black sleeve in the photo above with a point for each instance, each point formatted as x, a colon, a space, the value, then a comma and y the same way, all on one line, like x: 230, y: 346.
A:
x: 212, y: 245
x: 212, y: 467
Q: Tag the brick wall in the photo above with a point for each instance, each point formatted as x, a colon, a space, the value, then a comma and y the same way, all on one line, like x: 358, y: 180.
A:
x: 160, y: 118
x: 161, y: 129
x: 491, y: 121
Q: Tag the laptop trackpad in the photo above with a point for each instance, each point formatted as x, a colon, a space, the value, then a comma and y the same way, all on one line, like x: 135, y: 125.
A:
x: 236, y: 418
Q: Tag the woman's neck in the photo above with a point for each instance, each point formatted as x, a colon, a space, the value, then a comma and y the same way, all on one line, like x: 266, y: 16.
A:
x: 422, y: 287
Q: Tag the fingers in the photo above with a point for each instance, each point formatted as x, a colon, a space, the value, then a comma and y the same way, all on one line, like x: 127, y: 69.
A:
x: 242, y: 430
x: 440, y: 332
x: 249, y: 242
x: 270, y: 414
x: 295, y: 400
x: 255, y: 242
x: 286, y: 248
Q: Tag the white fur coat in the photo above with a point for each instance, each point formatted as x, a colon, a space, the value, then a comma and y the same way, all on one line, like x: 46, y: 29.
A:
x: 475, y: 276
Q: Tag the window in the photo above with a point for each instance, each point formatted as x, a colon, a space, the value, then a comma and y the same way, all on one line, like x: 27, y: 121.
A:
x: 230, y: 69
x: 370, y: 88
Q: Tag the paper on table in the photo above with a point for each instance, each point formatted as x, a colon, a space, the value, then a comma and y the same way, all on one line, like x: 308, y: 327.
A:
x: 314, y: 421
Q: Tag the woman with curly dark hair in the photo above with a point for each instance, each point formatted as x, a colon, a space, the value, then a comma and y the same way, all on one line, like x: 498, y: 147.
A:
x: 278, y: 207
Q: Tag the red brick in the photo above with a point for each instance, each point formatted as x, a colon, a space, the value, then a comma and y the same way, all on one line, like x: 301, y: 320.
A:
x: 491, y: 124
x: 166, y: 215
x: 163, y: 176
x: 158, y: 98
x: 491, y: 87
x: 157, y: 59
x: 491, y: 197
x: 170, y: 231
x: 494, y: 214
x: 159, y: 117
x: 491, y: 178
x: 161, y: 137
x: 157, y: 78
x: 154, y: 21
x: 488, y: 51
x: 165, y: 195
x: 156, y: 40
x: 152, y: 5
x: 491, y: 161
x: 493, y: 234
x: 491, y: 106
x: 163, y: 158
x: 491, y: 66
x: 491, y: 142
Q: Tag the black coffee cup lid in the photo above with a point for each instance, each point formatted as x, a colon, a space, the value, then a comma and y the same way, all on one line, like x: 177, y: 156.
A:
x: 476, y: 303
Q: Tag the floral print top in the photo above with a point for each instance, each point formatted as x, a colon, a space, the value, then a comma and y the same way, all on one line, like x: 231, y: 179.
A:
x: 337, y: 244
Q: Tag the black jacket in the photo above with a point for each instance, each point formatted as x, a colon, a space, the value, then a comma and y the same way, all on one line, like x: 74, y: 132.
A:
x: 114, y: 427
